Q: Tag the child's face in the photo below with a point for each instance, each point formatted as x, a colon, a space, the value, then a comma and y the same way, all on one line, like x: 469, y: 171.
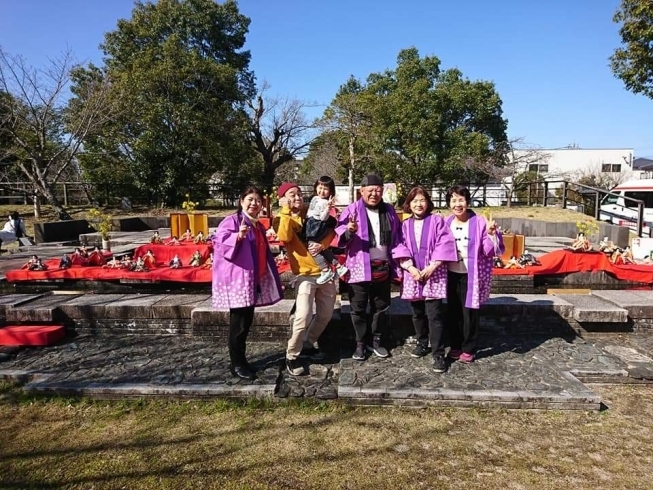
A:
x: 323, y: 191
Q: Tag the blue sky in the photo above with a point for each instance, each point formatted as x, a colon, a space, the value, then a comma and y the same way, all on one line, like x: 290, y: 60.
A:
x: 549, y: 60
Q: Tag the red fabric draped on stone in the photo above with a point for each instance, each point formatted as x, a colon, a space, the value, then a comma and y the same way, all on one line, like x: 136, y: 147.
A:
x: 165, y: 253
x: 566, y: 262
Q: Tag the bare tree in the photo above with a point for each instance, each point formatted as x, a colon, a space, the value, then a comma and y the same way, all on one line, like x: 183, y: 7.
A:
x: 40, y: 140
x: 510, y: 164
x: 279, y: 131
x: 323, y: 159
x: 594, y: 176
x: 347, y: 115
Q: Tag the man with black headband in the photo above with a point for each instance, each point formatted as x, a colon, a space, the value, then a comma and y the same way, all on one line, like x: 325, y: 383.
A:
x: 370, y: 231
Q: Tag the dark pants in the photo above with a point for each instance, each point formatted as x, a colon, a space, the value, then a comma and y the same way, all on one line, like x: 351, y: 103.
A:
x: 240, y: 321
x: 427, y: 320
x: 377, y: 295
x: 463, y: 323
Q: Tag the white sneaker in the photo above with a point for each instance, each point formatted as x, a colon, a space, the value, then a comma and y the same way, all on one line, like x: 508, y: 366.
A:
x: 341, y: 270
x: 326, y: 276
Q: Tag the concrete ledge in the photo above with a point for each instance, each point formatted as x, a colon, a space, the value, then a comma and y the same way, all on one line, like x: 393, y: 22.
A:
x: 592, y: 309
x: 60, y: 231
x: 469, y: 398
x: 639, y: 304
x: 527, y: 305
x: 10, y: 301
x: 275, y: 315
x: 136, y: 390
x: 88, y: 306
x: 178, y: 306
x: 40, y: 309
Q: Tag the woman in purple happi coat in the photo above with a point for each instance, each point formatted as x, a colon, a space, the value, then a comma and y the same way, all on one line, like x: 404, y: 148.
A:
x: 244, y: 274
x: 431, y: 244
x: 370, y: 231
x: 468, y: 280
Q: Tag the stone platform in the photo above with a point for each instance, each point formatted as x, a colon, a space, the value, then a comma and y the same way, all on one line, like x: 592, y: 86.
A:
x: 537, y: 372
x: 536, y: 351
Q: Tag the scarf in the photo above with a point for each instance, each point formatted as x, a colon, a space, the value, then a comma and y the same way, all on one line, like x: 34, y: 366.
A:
x: 384, y: 227
x: 252, y: 219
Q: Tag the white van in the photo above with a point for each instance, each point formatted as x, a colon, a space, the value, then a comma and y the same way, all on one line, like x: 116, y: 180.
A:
x: 619, y: 211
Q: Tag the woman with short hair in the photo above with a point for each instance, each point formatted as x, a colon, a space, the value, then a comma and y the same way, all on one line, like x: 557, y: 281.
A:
x: 469, y: 278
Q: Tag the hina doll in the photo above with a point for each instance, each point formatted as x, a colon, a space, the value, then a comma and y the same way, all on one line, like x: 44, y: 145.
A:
x: 96, y: 257
x: 149, y: 260
x: 175, y: 263
x: 196, y: 259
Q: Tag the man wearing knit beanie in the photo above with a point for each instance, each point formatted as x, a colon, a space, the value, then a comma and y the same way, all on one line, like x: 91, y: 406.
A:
x: 306, y: 328
x: 370, y: 231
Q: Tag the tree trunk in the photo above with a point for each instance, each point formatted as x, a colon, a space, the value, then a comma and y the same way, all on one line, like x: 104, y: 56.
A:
x: 37, y: 206
x: 508, y: 198
x: 267, y: 180
x: 51, y: 198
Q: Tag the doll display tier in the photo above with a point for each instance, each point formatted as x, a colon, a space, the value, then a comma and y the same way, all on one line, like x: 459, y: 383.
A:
x: 557, y: 262
x: 567, y: 262
x: 159, y: 272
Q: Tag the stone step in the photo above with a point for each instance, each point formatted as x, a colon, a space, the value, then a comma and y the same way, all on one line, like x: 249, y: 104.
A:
x: 192, y: 314
x: 533, y: 373
x: 639, y: 304
x: 37, y: 309
x: 593, y: 309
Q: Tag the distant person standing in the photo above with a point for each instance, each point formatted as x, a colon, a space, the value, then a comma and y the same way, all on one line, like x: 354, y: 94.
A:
x: 13, y: 229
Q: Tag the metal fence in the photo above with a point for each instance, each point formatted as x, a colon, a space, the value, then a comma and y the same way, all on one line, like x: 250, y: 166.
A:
x: 560, y: 193
x: 114, y: 194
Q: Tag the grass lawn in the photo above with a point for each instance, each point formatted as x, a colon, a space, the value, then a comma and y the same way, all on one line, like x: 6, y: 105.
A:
x: 55, y: 443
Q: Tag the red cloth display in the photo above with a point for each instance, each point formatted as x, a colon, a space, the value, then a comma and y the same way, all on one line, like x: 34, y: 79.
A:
x: 556, y: 262
x: 566, y: 262
x: 31, y: 334
x: 165, y: 253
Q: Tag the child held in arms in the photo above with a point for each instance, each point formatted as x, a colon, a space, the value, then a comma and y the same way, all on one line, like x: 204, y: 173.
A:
x: 318, y: 223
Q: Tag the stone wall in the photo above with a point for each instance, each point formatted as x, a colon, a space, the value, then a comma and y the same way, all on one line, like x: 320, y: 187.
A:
x: 536, y: 228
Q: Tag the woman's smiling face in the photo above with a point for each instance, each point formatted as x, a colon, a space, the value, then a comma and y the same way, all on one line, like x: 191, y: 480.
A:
x: 419, y: 205
x: 458, y: 205
x: 252, y: 204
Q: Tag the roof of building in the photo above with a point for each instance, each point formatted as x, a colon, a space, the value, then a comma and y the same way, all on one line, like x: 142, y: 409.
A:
x: 642, y: 164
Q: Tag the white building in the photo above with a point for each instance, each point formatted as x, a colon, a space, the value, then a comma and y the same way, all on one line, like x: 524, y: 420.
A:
x: 571, y: 163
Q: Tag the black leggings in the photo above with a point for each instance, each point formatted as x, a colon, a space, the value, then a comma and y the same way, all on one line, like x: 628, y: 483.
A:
x: 240, y: 321
x: 463, y: 322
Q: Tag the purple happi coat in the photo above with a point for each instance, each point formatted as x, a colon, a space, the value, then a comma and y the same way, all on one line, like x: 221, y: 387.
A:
x: 357, y: 249
x: 234, y: 268
x: 481, y: 252
x: 437, y: 244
